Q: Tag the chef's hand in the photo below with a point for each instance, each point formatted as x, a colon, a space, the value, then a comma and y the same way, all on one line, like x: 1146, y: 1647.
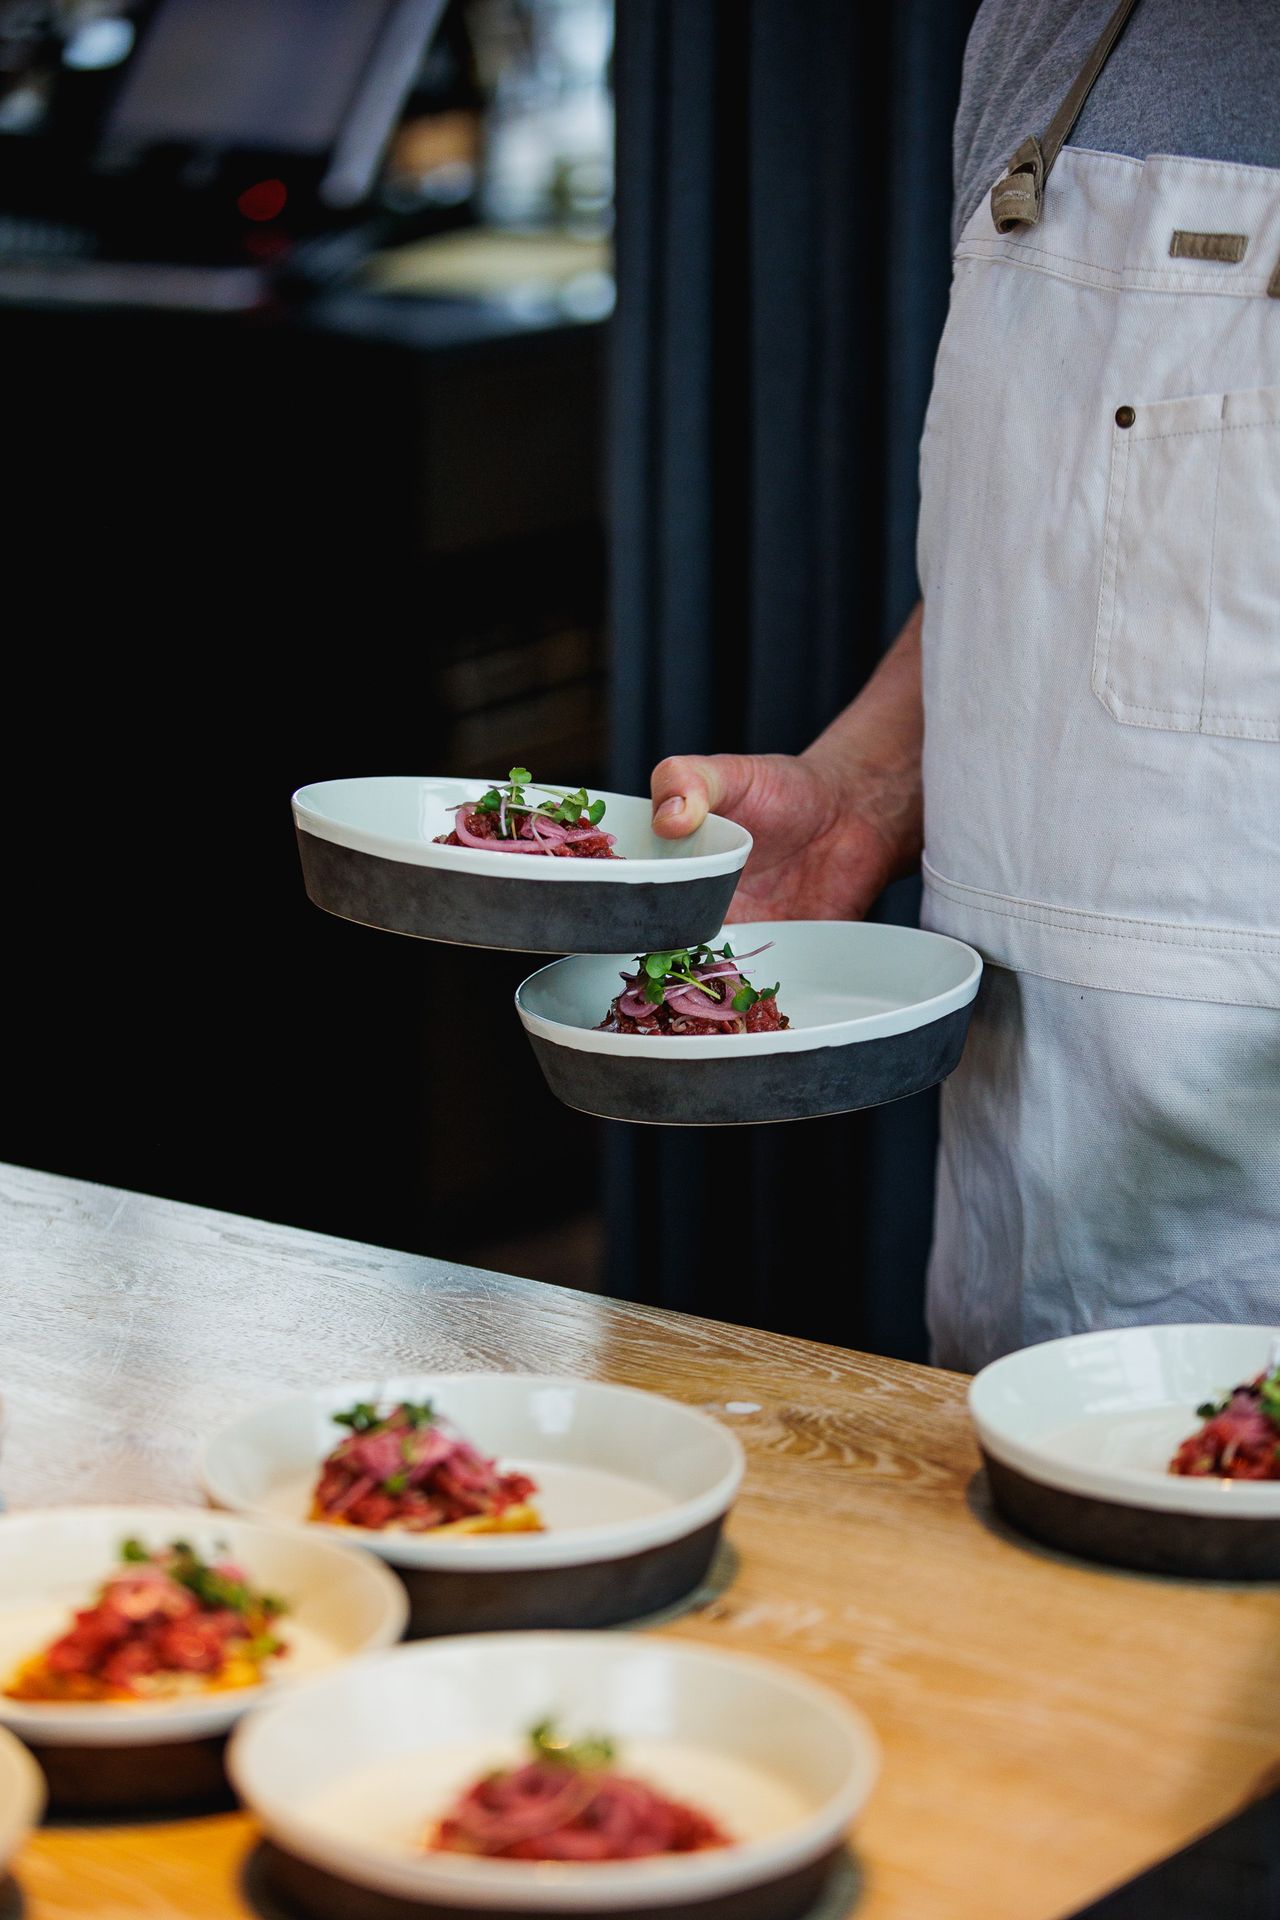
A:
x: 831, y: 826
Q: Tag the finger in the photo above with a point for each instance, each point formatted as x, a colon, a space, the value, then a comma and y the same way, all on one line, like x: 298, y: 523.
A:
x: 686, y: 789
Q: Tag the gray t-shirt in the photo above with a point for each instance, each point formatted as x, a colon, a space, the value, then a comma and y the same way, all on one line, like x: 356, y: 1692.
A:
x: 1199, y: 77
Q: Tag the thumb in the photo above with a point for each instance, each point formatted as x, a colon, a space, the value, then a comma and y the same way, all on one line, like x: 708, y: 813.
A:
x: 686, y: 789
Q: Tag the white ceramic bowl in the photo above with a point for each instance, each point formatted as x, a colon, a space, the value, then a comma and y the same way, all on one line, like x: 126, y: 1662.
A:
x: 52, y: 1561
x: 1078, y: 1434
x: 349, y: 1774
x: 876, y: 1012
x: 22, y: 1796
x: 369, y: 853
x: 627, y: 1481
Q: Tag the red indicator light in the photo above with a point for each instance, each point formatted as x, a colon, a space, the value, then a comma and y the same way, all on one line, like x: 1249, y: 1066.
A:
x: 263, y: 200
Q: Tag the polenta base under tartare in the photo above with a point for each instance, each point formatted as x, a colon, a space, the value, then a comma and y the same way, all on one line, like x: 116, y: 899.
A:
x: 35, y: 1680
x: 166, y: 1625
x: 522, y: 1519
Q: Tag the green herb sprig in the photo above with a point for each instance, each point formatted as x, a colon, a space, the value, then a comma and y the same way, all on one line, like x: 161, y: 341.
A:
x: 549, y: 1743
x: 365, y: 1418
x: 1268, y: 1396
x: 676, y: 967
x: 212, y: 1589
x: 747, y: 995
x: 361, y: 1418
x: 566, y: 808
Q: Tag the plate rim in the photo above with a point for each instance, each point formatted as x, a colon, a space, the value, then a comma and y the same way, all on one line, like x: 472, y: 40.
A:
x: 507, y: 1553
x: 555, y: 1885
x: 110, y: 1724
x: 20, y: 1813
x: 1207, y: 1499
x: 475, y: 863
x: 728, y: 1046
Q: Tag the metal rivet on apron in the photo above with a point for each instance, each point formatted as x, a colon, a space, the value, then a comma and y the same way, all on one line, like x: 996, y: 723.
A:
x: 1125, y: 416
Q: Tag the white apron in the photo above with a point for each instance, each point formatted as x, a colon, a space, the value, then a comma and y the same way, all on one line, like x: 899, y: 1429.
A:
x: 1100, y: 559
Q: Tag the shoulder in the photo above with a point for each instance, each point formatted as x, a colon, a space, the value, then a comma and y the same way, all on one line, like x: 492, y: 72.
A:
x: 1021, y: 57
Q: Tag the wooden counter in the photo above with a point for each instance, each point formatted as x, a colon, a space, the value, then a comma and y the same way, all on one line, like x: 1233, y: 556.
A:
x: 1049, y: 1728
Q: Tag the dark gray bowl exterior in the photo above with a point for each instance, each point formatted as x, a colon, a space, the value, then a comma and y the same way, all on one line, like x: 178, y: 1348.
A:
x: 753, y: 1089
x: 548, y: 916
x: 180, y: 1775
x: 310, y: 1890
x: 1144, y: 1539
x: 598, y: 1595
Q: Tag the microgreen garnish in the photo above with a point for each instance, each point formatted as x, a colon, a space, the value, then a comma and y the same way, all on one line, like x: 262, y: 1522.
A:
x: 549, y: 1743
x: 365, y: 1418
x: 1269, y: 1394
x: 263, y: 1646
x: 747, y: 995
x: 359, y: 1418
x: 568, y: 809
x: 1268, y: 1400
x: 661, y: 970
x: 211, y: 1588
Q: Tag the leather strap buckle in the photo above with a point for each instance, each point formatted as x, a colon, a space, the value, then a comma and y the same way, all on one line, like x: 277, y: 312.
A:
x: 1016, y: 200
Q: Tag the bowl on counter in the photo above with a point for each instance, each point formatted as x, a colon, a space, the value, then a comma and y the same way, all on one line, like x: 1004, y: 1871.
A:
x: 22, y: 1797
x: 876, y: 1012
x: 348, y: 1777
x: 1077, y: 1435
x: 162, y: 1753
x: 369, y: 853
x: 633, y: 1490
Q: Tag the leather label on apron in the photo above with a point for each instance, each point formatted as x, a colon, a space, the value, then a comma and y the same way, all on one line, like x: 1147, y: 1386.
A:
x: 1229, y: 247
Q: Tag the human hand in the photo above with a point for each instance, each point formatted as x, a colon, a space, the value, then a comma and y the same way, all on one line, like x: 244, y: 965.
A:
x: 827, y: 839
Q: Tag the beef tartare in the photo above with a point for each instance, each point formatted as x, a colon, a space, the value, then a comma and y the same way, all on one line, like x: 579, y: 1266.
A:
x: 1240, y: 1438
x: 505, y: 820
x: 568, y: 1803
x: 408, y: 1469
x: 694, y: 990
x: 167, y: 1624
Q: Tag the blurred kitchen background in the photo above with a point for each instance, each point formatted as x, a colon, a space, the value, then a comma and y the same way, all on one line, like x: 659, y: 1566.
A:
x: 433, y: 386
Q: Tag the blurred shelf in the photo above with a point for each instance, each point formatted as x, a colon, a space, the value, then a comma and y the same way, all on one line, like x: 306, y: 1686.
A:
x: 488, y: 262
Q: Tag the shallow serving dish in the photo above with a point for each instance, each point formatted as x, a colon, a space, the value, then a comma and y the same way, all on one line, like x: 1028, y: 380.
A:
x: 22, y: 1796
x: 368, y: 854
x: 1078, y: 1433
x: 52, y: 1561
x: 633, y: 1490
x: 876, y: 1012
x: 348, y: 1776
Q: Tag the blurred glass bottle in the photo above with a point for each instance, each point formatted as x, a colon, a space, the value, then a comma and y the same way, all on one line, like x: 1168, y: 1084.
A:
x: 548, y: 148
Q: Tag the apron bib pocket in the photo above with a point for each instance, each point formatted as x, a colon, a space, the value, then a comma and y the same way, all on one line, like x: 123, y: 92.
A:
x: 1188, y: 635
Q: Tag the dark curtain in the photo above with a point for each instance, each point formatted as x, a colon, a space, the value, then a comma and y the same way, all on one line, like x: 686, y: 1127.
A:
x: 784, y: 191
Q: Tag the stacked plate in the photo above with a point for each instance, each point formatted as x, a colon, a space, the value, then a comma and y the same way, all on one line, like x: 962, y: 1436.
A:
x: 353, y: 1752
x: 875, y: 1012
x: 1078, y: 1436
x: 369, y: 853
x: 351, y: 1777
x: 22, y: 1797
x: 630, y: 1492
x: 633, y: 1491
x: 167, y: 1752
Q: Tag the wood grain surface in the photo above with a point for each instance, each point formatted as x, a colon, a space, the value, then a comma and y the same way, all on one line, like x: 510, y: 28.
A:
x: 1049, y: 1728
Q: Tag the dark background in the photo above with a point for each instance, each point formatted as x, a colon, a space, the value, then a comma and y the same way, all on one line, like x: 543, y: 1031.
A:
x: 344, y: 535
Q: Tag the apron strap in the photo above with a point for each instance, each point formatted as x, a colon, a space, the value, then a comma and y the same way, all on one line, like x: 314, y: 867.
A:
x: 1017, y: 199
